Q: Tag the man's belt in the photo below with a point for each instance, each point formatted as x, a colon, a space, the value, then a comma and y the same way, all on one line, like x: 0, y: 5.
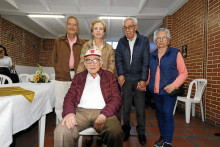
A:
x: 71, y: 69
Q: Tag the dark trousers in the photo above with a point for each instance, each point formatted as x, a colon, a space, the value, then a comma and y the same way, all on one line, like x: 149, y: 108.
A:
x: 164, y: 110
x: 129, y: 90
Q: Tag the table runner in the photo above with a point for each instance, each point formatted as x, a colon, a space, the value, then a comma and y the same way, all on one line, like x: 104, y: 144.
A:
x: 9, y: 91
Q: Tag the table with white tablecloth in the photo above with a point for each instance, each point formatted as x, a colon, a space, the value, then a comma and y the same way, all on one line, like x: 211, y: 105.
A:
x: 17, y: 113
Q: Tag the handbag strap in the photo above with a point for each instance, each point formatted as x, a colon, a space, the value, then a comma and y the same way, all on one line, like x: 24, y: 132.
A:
x: 161, y: 72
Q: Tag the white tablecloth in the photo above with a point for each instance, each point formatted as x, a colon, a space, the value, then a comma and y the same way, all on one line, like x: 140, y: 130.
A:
x: 17, y: 113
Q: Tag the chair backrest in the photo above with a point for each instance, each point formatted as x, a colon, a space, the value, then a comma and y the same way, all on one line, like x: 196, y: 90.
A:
x: 200, y: 85
x: 47, y: 75
x: 4, y: 78
x: 52, y: 76
x: 23, y: 78
x: 30, y: 77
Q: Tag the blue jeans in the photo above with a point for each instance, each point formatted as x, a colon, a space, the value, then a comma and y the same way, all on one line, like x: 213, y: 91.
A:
x: 164, y: 111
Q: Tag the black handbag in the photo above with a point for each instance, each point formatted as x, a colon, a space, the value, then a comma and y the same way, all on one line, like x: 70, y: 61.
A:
x: 177, y: 92
x: 14, y: 76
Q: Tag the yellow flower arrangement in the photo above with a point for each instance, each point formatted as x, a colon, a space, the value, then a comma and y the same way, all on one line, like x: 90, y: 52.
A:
x: 40, y: 76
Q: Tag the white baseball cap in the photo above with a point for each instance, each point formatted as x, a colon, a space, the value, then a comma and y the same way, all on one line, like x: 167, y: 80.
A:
x: 93, y: 52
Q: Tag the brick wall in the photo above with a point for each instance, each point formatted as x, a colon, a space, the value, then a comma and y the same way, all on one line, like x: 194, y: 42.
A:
x: 213, y: 62
x: 46, y: 52
x: 18, y: 43
x: 197, y: 25
x: 188, y: 29
x: 24, y: 47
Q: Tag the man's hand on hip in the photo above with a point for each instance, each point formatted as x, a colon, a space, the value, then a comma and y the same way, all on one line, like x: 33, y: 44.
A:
x: 69, y: 120
x: 100, y: 122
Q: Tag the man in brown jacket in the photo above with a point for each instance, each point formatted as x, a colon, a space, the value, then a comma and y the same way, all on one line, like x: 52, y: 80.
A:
x: 66, y: 56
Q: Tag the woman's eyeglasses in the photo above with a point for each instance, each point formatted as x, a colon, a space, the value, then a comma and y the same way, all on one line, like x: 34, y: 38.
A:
x: 162, y: 38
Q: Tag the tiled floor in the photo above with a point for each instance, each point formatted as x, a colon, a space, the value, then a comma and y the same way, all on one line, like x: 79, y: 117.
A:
x: 195, y: 134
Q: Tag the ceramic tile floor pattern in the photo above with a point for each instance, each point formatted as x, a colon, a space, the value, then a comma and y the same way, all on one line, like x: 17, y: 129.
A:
x: 195, y: 134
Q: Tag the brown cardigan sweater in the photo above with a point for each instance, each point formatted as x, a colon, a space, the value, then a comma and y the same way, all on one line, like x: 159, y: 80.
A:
x: 61, y: 56
x: 108, y: 57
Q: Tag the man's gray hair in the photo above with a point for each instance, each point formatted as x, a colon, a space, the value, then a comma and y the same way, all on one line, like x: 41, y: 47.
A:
x: 161, y: 30
x: 130, y: 18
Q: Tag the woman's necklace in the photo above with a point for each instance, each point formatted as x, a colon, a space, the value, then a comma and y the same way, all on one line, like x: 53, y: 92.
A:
x: 98, y: 43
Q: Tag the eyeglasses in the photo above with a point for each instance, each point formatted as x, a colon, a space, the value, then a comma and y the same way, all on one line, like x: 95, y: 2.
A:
x: 73, y: 25
x: 129, y: 28
x: 89, y: 61
x: 162, y: 38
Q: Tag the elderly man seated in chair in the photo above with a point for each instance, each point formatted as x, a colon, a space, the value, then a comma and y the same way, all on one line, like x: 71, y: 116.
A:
x: 93, y: 100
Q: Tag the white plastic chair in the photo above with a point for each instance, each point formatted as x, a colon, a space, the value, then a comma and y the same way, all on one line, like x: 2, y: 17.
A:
x: 4, y: 78
x: 23, y: 78
x: 52, y: 76
x: 30, y: 78
x: 88, y: 131
x: 200, y: 85
x: 47, y: 75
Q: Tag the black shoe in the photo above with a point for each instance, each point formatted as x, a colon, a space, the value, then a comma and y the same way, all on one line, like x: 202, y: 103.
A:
x: 99, y: 140
x: 126, y: 135
x: 142, y: 139
x: 159, y: 143
x: 167, y: 144
x: 89, y: 142
x: 126, y: 131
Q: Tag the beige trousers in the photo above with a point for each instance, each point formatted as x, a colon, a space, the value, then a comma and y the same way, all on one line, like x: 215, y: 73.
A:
x: 61, y: 88
x: 111, y: 134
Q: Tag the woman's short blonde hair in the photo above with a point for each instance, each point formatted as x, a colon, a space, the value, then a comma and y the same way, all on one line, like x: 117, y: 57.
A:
x: 97, y: 21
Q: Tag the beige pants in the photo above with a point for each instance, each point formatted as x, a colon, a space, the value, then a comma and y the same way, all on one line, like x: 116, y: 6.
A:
x: 61, y: 88
x: 111, y: 134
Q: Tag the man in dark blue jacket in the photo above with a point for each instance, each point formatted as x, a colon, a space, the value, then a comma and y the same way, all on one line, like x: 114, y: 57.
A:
x: 131, y: 59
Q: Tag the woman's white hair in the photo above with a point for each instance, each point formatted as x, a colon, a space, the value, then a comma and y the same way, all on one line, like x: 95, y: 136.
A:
x: 161, y: 30
x: 130, y: 18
